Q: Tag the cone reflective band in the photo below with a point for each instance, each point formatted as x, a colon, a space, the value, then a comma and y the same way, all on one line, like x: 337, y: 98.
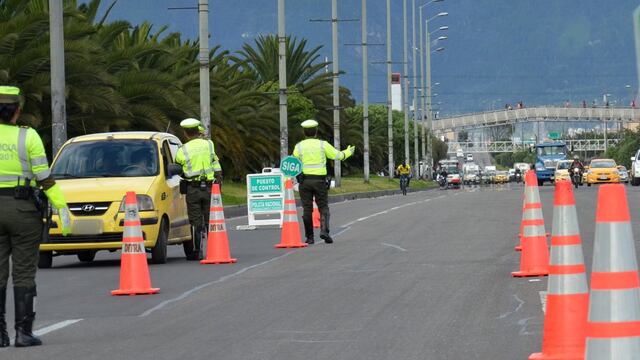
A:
x: 217, y: 239
x: 613, y: 327
x: 567, y: 294
x: 534, y: 258
x: 290, y: 236
x: 315, y: 215
x: 134, y: 271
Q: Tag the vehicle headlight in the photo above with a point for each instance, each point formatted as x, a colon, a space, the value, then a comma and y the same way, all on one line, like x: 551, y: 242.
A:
x: 145, y: 203
x: 540, y: 167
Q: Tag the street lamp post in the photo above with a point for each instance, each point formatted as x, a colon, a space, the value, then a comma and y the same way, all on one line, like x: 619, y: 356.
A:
x: 282, y: 81
x: 389, y: 95
x: 365, y: 92
x: 58, y: 107
x: 416, y: 164
x: 336, y: 89
x: 205, y: 92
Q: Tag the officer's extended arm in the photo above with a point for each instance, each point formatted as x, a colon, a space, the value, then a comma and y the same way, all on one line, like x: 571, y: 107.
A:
x: 334, y: 154
x: 42, y: 173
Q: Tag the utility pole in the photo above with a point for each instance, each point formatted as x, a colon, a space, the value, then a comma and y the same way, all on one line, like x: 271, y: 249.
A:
x: 336, y: 89
x: 423, y: 108
x: 405, y: 81
x: 205, y: 94
x: 389, y: 95
x: 429, y: 102
x: 365, y: 92
x: 416, y: 165
x: 282, y: 80
x: 58, y: 107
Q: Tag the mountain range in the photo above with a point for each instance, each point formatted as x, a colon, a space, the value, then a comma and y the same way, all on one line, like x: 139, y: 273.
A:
x: 498, y: 51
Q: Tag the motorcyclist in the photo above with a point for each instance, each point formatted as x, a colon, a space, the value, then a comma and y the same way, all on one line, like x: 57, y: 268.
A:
x: 518, y: 174
x: 576, y: 164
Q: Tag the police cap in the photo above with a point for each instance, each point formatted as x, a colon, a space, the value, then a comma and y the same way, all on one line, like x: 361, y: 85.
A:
x: 9, y: 95
x: 309, y: 124
x: 190, y: 123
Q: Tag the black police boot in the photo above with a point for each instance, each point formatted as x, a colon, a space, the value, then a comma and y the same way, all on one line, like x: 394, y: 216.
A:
x: 23, y: 298
x: 310, y: 240
x: 197, y: 244
x: 4, y: 336
x: 327, y: 239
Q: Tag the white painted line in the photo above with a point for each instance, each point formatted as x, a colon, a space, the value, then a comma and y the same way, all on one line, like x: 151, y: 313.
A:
x: 316, y: 341
x: 315, y: 331
x: 200, y: 287
x: 56, y: 326
x: 342, y: 231
x: 520, y: 303
x: 543, y: 300
x: 534, y: 280
x: 394, y: 246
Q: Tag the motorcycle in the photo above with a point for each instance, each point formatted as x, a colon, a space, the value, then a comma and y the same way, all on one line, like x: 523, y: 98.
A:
x: 518, y: 178
x: 576, y: 177
x: 442, y: 181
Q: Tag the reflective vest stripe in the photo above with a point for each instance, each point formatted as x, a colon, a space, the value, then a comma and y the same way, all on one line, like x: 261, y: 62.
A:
x: 211, y: 153
x: 8, y: 178
x: 299, y: 149
x: 314, y: 166
x: 197, y: 173
x: 22, y: 153
x: 43, y: 175
x: 187, y: 159
x: 39, y: 161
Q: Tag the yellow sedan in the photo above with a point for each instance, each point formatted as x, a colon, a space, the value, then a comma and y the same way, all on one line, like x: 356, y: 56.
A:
x: 501, y: 177
x: 603, y: 171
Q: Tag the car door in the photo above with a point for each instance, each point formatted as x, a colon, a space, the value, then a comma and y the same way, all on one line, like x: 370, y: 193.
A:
x: 178, y: 212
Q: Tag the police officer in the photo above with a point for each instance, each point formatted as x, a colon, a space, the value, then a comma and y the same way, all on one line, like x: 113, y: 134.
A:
x: 313, y: 181
x: 22, y: 160
x: 200, y: 166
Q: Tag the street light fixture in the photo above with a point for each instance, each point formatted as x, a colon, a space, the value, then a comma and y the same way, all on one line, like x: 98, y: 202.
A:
x: 438, y: 49
x: 442, y: 38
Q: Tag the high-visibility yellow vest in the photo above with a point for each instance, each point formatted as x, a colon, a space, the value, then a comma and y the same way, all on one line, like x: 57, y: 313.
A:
x: 402, y: 170
x: 313, y: 153
x: 198, y: 159
x: 22, y: 156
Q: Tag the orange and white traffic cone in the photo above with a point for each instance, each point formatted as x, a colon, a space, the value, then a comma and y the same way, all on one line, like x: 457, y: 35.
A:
x: 217, y: 239
x: 134, y: 271
x: 613, y: 327
x: 534, y: 258
x: 565, y: 318
x: 316, y: 215
x: 290, y: 236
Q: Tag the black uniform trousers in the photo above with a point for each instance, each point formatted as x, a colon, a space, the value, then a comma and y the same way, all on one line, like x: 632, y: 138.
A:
x: 20, y: 233
x: 198, y: 206
x: 310, y: 188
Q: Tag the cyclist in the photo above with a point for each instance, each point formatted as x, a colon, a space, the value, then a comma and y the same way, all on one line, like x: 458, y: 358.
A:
x: 404, y: 170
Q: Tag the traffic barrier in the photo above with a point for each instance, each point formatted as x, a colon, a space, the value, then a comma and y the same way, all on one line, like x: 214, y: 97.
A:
x: 567, y: 293
x: 613, y: 327
x: 134, y: 271
x: 217, y: 239
x: 290, y: 235
x: 534, y: 258
x: 316, y: 215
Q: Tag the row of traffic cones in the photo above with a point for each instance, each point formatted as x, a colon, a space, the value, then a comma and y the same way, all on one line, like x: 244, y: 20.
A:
x: 601, y: 324
x: 134, y: 271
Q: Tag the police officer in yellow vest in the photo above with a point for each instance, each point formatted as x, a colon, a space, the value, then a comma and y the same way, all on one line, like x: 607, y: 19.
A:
x: 201, y: 167
x: 23, y: 164
x: 313, y: 153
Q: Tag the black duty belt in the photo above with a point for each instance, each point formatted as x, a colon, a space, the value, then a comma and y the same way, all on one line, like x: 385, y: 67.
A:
x: 315, y: 177
x: 197, y: 183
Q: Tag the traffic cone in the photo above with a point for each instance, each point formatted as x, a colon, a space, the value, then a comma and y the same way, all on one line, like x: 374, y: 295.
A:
x: 217, y: 240
x: 613, y: 327
x: 316, y: 215
x: 567, y: 294
x: 134, y: 271
x: 534, y: 258
x: 290, y: 236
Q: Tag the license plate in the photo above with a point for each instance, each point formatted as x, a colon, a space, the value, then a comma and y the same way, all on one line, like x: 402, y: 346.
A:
x: 603, y: 177
x: 87, y: 227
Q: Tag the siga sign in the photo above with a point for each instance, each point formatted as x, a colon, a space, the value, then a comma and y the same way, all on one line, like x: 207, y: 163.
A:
x: 291, y: 166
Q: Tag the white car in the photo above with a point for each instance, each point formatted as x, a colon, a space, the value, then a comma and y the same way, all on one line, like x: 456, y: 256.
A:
x: 624, y: 174
x: 634, y: 174
x: 469, y: 157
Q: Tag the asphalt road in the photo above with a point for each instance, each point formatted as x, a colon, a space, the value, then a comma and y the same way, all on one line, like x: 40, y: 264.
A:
x: 426, y: 276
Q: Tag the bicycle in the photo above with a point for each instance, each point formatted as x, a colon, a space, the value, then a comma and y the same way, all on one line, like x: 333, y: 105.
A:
x: 404, y: 180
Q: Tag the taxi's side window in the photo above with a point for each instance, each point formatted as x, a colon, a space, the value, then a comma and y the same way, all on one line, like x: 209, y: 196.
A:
x: 167, y: 157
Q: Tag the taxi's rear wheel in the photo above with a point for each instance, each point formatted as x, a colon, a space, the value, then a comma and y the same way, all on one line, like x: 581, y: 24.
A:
x: 159, y: 251
x: 45, y: 261
x: 86, y: 256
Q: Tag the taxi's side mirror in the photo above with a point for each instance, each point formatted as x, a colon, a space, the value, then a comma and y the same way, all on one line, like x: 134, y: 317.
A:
x: 174, y: 169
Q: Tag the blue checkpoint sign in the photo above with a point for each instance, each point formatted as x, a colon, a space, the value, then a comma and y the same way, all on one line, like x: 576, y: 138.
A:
x: 291, y: 166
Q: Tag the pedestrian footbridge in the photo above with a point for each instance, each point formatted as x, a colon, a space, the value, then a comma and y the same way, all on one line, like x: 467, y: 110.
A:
x: 534, y: 114
x: 511, y: 146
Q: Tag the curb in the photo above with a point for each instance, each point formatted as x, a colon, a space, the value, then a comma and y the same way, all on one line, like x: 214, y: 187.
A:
x: 235, y: 211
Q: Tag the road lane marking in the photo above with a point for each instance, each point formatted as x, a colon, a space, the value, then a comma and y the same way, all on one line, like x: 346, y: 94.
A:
x: 315, y: 331
x: 187, y: 293
x: 342, y: 231
x: 543, y: 300
x: 56, y: 326
x: 394, y: 246
x: 315, y: 341
x: 520, y: 303
x: 364, y: 218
